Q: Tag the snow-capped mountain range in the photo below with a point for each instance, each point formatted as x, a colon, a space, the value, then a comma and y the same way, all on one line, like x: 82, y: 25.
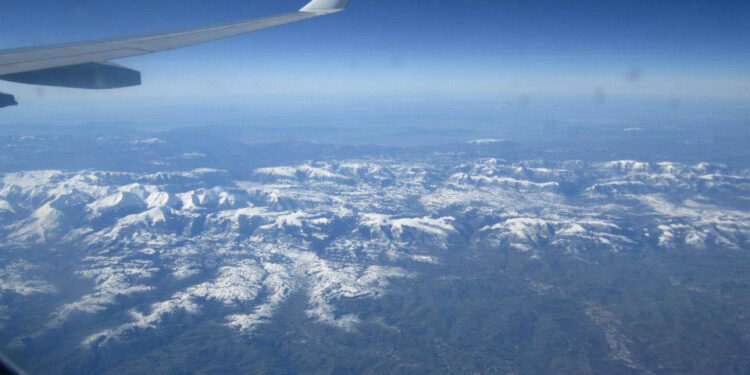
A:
x: 333, y: 230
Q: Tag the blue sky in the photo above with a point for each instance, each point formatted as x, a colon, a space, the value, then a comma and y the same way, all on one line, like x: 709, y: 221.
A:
x: 509, y: 50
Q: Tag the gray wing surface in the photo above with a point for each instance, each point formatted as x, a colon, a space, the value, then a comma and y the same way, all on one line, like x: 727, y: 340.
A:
x: 27, y: 59
x: 88, y: 62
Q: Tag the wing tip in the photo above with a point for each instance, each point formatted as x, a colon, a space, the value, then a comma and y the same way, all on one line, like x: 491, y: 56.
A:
x: 325, y: 6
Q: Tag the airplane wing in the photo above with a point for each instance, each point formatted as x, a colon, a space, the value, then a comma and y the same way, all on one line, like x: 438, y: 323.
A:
x: 87, y: 64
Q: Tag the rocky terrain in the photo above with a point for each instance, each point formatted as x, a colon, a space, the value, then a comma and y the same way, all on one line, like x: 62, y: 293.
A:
x: 336, y: 230
x: 100, y: 258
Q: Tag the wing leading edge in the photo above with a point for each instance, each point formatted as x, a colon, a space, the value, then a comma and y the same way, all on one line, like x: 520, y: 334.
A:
x: 64, y: 64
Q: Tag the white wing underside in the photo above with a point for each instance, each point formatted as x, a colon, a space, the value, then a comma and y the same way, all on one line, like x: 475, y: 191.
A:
x: 37, y: 58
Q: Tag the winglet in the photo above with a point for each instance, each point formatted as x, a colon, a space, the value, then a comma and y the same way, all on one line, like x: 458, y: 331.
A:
x: 325, y: 6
